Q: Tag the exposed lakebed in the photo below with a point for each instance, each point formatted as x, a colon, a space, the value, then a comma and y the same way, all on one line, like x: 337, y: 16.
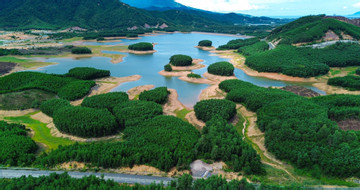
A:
x: 149, y: 65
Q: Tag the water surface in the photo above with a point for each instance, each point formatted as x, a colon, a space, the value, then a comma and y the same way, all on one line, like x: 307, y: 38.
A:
x: 148, y: 66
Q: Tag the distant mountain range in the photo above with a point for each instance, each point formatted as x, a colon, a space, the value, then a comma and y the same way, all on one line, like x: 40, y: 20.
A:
x: 116, y: 15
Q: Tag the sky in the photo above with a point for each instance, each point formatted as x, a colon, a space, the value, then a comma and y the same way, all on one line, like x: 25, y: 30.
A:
x: 277, y: 7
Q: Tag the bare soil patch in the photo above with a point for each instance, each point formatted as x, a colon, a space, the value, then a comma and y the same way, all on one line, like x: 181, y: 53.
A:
x: 212, y: 92
x: 216, y: 78
x: 196, y: 80
x: 173, y: 104
x: 6, y: 67
x: 105, y: 85
x: 191, y: 117
x: 138, y: 90
x: 349, y: 124
x: 206, y: 48
x: 301, y: 91
x: 174, y: 74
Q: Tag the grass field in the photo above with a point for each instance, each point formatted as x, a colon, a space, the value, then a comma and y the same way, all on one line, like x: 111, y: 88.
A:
x: 24, y: 100
x: 182, y: 113
x: 26, y: 63
x: 42, y: 133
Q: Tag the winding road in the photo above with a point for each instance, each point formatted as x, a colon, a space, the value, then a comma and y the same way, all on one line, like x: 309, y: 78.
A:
x: 120, y: 178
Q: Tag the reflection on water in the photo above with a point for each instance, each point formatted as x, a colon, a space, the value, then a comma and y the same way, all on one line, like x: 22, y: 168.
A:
x: 148, y: 66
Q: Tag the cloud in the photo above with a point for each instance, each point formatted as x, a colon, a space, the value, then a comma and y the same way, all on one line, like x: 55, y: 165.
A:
x: 220, y: 5
x: 357, y: 5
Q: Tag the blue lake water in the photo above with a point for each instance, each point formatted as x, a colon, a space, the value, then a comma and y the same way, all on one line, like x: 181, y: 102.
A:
x: 148, y: 66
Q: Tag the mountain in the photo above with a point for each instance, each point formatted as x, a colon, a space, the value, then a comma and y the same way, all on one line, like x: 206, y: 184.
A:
x: 312, y: 29
x: 55, y: 14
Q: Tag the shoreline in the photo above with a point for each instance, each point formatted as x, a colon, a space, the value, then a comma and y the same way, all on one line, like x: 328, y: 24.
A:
x: 223, y: 34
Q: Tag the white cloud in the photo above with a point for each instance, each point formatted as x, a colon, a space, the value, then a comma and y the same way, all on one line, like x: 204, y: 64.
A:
x: 220, y: 5
x: 357, y: 5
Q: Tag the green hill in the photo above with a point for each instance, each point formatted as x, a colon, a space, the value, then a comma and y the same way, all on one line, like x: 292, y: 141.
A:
x: 55, y: 14
x: 310, y: 29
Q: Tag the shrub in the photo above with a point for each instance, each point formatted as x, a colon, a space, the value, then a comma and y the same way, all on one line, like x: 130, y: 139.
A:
x: 108, y: 101
x: 193, y: 75
x: 85, y: 122
x: 81, y: 50
x: 357, y: 71
x: 100, y: 39
x: 50, y: 106
x: 17, y: 149
x: 87, y: 73
x: 133, y: 113
x: 159, y: 95
x: 181, y: 60
x: 168, y: 68
x: 205, y: 43
x: 142, y: 46
x: 132, y: 35
x: 222, y: 69
x: 207, y: 109
x: 76, y: 90
x: 349, y: 82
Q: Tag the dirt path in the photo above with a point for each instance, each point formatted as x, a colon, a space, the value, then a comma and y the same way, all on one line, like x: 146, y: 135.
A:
x: 253, y: 133
x: 15, y: 113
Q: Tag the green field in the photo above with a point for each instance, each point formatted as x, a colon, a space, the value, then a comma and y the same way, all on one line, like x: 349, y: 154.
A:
x: 42, y: 133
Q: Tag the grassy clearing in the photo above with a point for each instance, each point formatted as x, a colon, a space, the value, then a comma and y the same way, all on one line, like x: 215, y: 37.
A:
x: 240, y: 125
x: 182, y: 114
x: 24, y: 62
x: 71, y: 40
x: 24, y: 100
x: 41, y: 132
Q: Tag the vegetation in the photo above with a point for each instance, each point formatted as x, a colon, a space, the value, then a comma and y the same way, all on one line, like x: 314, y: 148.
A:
x: 159, y: 95
x: 24, y: 100
x: 222, y: 69
x: 181, y: 60
x: 168, y: 68
x: 253, y: 49
x: 41, y: 132
x: 348, y: 82
x: 65, y: 87
x: 205, y: 110
x: 81, y: 50
x: 17, y: 149
x: 85, y: 122
x: 340, y: 106
x: 357, y: 72
x: 221, y: 141
x: 163, y: 142
x: 299, y: 130
x: 87, y: 73
x: 312, y: 28
x: 108, y: 100
x: 50, y: 106
x: 9, y: 52
x: 132, y: 35
x: 133, y: 113
x: 76, y: 90
x: 142, y: 46
x: 193, y: 75
x: 236, y: 44
x: 205, y: 43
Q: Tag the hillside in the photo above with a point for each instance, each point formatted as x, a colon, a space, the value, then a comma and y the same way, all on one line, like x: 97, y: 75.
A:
x: 311, y: 29
x: 153, y: 4
x: 55, y: 14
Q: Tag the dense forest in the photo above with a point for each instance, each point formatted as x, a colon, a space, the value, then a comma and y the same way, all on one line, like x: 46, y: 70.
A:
x: 17, y: 148
x: 181, y: 60
x: 163, y: 142
x: 305, y: 62
x: 141, y: 46
x: 312, y: 28
x: 205, y: 110
x: 159, y: 95
x: 299, y: 130
x: 348, y: 82
x: 221, y: 68
x: 220, y: 141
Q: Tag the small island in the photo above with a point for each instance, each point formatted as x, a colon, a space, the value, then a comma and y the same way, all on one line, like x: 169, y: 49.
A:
x: 141, y: 48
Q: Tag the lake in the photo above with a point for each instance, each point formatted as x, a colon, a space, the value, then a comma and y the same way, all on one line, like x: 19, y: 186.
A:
x: 148, y: 66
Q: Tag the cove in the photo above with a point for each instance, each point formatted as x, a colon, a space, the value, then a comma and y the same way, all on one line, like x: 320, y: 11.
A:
x: 148, y: 66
